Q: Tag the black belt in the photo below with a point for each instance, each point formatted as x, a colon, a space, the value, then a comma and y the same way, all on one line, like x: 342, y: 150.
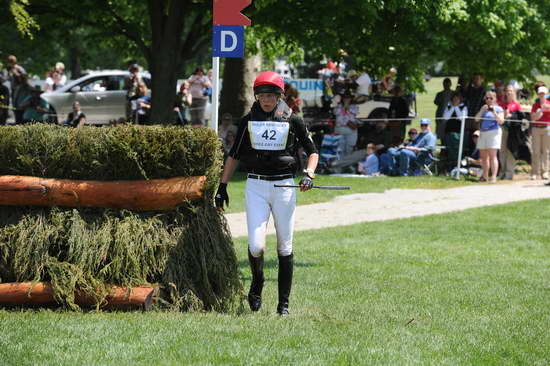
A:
x: 270, y: 177
x: 540, y: 126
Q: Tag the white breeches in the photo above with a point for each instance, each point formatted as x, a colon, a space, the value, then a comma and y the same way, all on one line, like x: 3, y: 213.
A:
x: 263, y: 199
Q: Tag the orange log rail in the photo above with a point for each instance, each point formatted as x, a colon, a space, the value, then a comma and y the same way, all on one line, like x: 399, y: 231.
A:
x: 41, y: 293
x: 142, y: 195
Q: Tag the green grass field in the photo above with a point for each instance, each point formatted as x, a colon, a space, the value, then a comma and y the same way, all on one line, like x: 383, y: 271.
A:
x: 467, y: 288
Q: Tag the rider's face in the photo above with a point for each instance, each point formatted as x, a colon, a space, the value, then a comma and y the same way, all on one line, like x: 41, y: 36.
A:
x: 267, y: 101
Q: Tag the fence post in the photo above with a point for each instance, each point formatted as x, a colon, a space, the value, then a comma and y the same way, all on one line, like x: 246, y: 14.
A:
x: 459, y: 158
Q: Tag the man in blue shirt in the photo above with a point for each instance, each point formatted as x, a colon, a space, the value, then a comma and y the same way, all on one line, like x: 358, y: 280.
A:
x: 418, y: 152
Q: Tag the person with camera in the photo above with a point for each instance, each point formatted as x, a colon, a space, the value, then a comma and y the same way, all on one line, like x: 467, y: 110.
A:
x: 267, y: 142
x: 35, y: 108
x: 540, y: 141
x: 131, y: 84
x: 346, y: 122
x: 198, y: 85
x: 491, y: 116
x: 184, y: 100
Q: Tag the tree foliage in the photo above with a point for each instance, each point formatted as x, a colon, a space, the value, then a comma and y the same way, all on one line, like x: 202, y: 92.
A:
x: 501, y: 38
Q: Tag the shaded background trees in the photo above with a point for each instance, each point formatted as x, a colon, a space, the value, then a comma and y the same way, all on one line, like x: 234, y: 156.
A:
x: 505, y: 39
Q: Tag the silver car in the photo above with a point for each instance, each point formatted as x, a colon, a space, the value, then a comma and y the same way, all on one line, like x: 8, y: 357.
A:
x: 101, y: 95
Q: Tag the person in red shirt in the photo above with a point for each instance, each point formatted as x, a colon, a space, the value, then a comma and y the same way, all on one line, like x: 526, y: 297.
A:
x: 507, y: 160
x: 540, y: 141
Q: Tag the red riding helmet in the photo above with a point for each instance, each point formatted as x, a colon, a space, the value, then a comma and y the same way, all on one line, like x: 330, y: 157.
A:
x: 269, y: 82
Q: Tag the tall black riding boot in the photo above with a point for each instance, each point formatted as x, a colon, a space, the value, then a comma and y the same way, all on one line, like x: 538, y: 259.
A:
x: 286, y: 267
x: 255, y: 293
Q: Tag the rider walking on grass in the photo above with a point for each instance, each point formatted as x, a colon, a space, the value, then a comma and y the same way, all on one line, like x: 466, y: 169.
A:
x: 267, y: 142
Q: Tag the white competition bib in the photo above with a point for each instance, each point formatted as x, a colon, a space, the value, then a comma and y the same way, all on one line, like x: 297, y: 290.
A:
x: 268, y: 135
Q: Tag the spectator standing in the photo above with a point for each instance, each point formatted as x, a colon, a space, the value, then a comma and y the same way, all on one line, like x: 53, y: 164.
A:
x: 51, y: 79
x: 540, y: 114
x: 474, y: 100
x: 227, y: 127
x: 442, y: 100
x: 143, y: 105
x: 76, y: 117
x: 491, y: 116
x: 35, y: 108
x: 398, y: 114
x: 462, y: 86
x: 500, y: 92
x: 326, y: 74
x: 62, y: 79
x: 388, y: 81
x: 346, y: 123
x: 292, y: 99
x: 198, y: 83
x: 364, y: 83
x: 15, y: 73
x: 183, y: 103
x: 131, y: 84
x: 20, y: 95
x: 4, y: 101
x: 507, y: 159
x: 452, y: 116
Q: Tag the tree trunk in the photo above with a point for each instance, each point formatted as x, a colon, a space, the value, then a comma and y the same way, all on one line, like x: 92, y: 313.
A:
x: 163, y: 84
x: 167, y: 20
x: 238, y: 79
x: 75, y: 66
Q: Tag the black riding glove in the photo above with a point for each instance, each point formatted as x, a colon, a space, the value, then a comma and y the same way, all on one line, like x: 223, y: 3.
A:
x: 222, y: 196
x: 306, y: 183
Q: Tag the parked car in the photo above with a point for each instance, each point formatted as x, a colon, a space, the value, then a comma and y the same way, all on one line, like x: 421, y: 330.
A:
x: 101, y: 95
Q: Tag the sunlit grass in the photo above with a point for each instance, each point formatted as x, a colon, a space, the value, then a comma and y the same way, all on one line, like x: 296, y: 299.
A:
x: 466, y: 288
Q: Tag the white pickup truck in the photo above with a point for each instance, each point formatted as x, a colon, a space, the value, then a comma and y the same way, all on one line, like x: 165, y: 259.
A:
x: 311, y: 92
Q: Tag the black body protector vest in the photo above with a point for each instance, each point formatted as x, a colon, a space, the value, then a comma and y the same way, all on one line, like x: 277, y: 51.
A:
x: 269, y: 142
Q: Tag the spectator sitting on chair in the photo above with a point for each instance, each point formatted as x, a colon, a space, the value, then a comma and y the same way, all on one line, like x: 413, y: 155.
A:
x: 387, y: 164
x: 474, y: 159
x: 76, y: 118
x: 418, y: 152
x: 471, y: 165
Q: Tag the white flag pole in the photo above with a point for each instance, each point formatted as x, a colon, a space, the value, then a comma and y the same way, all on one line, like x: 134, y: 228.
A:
x: 459, y: 158
x: 215, y: 91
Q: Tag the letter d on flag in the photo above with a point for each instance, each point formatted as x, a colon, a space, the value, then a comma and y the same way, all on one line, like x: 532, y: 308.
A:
x: 228, y: 41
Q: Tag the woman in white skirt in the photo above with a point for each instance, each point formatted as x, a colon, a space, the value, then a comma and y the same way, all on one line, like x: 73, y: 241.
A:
x: 491, y: 116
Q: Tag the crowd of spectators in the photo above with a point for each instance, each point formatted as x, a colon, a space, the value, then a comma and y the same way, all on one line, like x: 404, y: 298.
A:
x: 495, y: 134
x: 492, y: 114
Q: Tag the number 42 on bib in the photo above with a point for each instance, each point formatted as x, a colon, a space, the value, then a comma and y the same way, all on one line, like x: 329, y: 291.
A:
x: 268, y: 135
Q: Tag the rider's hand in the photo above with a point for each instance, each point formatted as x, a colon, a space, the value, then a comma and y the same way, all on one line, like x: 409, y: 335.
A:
x: 306, y: 183
x: 221, y: 196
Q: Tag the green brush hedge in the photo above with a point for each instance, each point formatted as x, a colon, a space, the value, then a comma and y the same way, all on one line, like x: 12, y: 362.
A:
x: 188, y: 251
